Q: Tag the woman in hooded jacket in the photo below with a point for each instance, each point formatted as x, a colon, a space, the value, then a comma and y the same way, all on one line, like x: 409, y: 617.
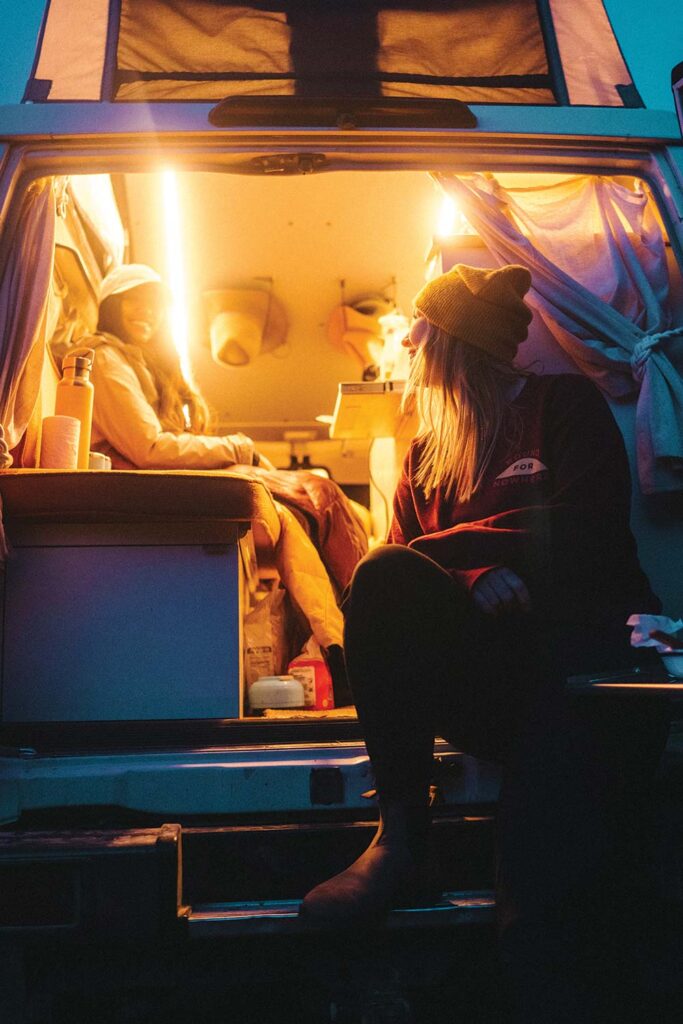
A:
x: 146, y: 415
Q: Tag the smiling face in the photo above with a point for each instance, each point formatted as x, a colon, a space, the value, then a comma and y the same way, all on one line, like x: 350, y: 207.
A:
x: 437, y: 362
x: 417, y: 332
x: 416, y: 340
x: 141, y: 311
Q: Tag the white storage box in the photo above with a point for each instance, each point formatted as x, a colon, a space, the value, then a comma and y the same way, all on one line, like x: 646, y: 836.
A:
x: 123, y: 603
x: 99, y: 627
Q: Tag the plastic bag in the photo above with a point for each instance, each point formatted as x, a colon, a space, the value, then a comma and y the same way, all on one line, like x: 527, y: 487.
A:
x: 265, y: 636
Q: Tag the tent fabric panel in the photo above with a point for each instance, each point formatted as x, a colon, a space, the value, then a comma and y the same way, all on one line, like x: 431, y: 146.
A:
x: 472, y: 93
x: 70, y: 57
x: 207, y: 91
x: 332, y: 50
x: 165, y: 89
x: 479, y: 38
x: 592, y: 61
x: 277, y: 47
x: 172, y: 35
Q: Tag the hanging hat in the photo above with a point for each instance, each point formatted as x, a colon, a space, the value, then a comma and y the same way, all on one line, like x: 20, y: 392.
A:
x: 127, y: 276
x: 481, y: 307
x: 356, y: 329
x: 244, y: 323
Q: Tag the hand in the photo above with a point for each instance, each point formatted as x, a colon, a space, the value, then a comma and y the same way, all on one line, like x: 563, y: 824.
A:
x: 262, y: 462
x: 500, y: 590
x: 243, y: 448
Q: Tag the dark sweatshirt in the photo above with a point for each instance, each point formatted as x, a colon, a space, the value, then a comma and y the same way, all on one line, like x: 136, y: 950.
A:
x: 553, y: 506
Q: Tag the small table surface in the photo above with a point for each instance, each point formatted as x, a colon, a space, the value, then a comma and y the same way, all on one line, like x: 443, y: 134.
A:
x: 639, y: 679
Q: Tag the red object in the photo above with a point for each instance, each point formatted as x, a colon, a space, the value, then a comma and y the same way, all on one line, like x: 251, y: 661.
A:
x: 314, y: 676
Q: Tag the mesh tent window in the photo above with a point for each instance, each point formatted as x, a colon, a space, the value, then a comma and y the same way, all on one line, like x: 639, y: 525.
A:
x: 476, y: 51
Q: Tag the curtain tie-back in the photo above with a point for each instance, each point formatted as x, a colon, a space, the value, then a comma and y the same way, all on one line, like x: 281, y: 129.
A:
x: 643, y: 347
x: 5, y: 457
x: 5, y: 461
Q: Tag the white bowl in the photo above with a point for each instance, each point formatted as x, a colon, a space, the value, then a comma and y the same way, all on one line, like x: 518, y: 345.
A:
x: 673, y: 662
x: 276, y: 692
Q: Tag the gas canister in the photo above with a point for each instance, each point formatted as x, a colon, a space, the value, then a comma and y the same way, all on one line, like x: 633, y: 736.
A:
x: 310, y: 669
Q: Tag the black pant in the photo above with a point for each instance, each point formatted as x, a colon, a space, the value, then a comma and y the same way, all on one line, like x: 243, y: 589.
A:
x: 422, y: 660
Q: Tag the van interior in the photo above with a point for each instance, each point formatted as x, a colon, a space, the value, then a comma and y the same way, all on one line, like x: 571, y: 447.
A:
x: 334, y: 259
x: 295, y: 173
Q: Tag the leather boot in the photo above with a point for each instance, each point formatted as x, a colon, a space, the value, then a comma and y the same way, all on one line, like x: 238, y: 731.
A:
x: 334, y: 659
x: 383, y: 877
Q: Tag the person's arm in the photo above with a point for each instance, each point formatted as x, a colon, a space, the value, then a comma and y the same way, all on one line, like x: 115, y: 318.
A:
x: 405, y: 524
x: 125, y: 418
x: 493, y: 588
x: 593, y: 552
x: 518, y: 537
x: 580, y: 539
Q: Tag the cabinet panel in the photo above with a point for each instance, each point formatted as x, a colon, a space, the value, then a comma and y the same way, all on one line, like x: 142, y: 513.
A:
x: 121, y: 633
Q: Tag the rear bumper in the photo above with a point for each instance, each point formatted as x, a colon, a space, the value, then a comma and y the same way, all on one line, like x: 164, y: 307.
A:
x: 264, y: 779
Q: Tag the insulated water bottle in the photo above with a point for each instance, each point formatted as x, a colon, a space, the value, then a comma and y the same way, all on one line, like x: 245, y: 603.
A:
x: 75, y: 395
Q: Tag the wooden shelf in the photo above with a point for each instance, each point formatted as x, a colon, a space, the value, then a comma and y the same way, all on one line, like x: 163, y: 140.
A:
x: 368, y: 409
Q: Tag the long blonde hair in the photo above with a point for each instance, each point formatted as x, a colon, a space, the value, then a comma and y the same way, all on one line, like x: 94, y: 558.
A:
x: 461, y: 394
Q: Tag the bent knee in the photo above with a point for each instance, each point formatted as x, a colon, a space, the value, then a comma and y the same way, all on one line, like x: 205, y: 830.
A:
x: 393, y: 568
x: 382, y: 561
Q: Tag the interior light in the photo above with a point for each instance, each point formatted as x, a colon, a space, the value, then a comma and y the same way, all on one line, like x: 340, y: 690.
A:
x: 175, y: 272
x: 451, y: 221
x: 445, y: 223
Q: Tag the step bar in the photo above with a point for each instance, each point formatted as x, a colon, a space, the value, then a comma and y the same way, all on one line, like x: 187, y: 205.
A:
x: 281, y: 917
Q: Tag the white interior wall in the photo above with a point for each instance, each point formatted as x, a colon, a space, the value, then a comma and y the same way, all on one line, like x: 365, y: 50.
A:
x: 307, y: 233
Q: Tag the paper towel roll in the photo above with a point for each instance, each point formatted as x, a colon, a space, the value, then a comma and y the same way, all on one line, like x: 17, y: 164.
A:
x: 59, y: 442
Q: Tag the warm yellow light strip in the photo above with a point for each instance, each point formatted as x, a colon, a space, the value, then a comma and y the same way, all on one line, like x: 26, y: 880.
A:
x: 179, y: 322
x: 445, y: 221
x: 451, y: 221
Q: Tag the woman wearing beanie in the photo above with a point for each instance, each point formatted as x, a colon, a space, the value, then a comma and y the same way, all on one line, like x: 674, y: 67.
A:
x: 510, y: 566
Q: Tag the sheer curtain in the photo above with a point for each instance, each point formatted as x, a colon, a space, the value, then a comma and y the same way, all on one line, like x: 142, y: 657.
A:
x: 600, y: 281
x: 24, y: 312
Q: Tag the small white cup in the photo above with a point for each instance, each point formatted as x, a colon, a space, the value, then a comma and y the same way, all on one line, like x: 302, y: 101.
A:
x: 96, y: 460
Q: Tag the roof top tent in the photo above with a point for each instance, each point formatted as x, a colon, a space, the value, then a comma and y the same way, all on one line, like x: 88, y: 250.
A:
x: 532, y: 52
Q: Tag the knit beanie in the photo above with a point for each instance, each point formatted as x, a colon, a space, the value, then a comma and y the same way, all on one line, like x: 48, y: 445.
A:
x: 481, y: 307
